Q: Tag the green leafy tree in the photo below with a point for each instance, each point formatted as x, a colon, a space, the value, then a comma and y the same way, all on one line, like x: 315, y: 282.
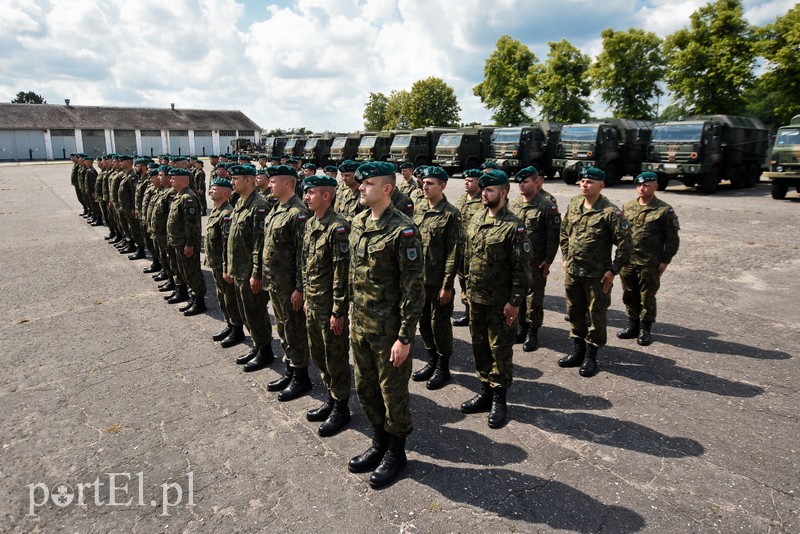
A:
x: 28, y: 97
x: 710, y: 64
x: 397, y: 110
x: 672, y: 112
x: 762, y: 102
x: 627, y: 72
x: 562, y: 91
x: 432, y: 102
x: 507, y: 77
x: 375, y: 111
x: 779, y: 44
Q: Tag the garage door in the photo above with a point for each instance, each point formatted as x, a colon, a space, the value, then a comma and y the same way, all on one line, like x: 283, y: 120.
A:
x: 63, y: 142
x: 179, y: 142
x: 203, y: 143
x: 125, y: 142
x: 94, y: 142
x: 151, y: 143
x: 225, y: 138
x: 22, y: 145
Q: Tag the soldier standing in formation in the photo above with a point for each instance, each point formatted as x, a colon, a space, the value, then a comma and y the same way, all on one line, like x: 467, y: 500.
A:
x: 407, y: 185
x: 468, y: 204
x: 347, y: 195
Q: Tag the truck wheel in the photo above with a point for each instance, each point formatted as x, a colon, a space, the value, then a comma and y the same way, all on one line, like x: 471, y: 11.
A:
x: 753, y: 175
x: 570, y: 177
x: 663, y: 181
x: 779, y: 190
x: 708, y: 183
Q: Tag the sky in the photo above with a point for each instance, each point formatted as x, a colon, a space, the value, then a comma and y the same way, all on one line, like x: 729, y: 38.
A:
x: 296, y: 63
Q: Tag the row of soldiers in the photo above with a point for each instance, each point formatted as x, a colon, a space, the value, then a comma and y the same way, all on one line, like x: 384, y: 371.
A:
x: 364, y: 261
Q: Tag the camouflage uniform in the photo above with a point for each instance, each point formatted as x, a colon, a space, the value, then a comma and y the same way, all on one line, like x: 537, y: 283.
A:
x: 283, y: 247
x: 402, y: 203
x: 113, y: 196
x: 499, y: 257
x: 468, y: 206
x: 347, y: 204
x: 326, y: 267
x: 217, y: 226
x: 162, y: 202
x: 127, y: 204
x: 586, y: 240
x: 654, y: 235
x: 73, y: 177
x: 387, y: 294
x: 91, y: 183
x: 407, y: 186
x: 184, y: 229
x: 142, y: 212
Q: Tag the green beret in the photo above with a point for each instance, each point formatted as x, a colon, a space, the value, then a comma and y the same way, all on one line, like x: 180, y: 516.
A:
x: 213, y: 156
x: 113, y: 156
x: 592, y: 173
x: 281, y: 170
x: 348, y: 165
x: 472, y: 173
x: 163, y: 168
x: 406, y: 165
x: 330, y: 168
x: 318, y: 180
x: 492, y: 177
x: 221, y: 165
x: 262, y: 156
x: 152, y: 172
x: 275, y: 158
x: 645, y: 177
x: 244, y: 157
x: 527, y: 172
x: 90, y: 158
x: 174, y: 171
x: 140, y: 161
x: 242, y: 170
x: 418, y: 171
x: 124, y: 157
x: 153, y: 165
x: 489, y: 165
x: 310, y: 165
x: 292, y: 160
x: 221, y: 182
x: 435, y: 172
x: 375, y: 168
x: 177, y: 158
x: 260, y: 171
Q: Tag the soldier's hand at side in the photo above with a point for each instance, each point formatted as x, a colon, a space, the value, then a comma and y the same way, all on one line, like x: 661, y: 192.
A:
x: 297, y: 300
x: 661, y: 268
x: 545, y: 267
x: 255, y: 285
x: 608, y: 281
x: 445, y: 295
x: 510, y: 312
x: 228, y: 278
x: 399, y: 353
x: 188, y: 251
x: 337, y: 325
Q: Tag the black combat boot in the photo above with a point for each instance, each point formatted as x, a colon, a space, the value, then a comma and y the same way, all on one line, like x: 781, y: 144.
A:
x: 171, y: 295
x: 371, y: 458
x: 224, y: 333
x: 319, y: 414
x: 589, y: 366
x: 337, y: 419
x: 122, y: 243
x: 111, y: 235
x: 169, y: 285
x: 263, y: 359
x: 129, y: 248
x: 522, y: 331
x: 96, y: 222
x: 425, y: 373
x: 482, y: 402
x: 198, y: 306
x: 282, y: 382
x: 187, y: 305
x: 161, y: 275
x: 116, y: 240
x: 576, y: 357
x: 154, y: 267
x: 299, y: 385
x: 235, y: 337
x: 244, y: 358
x: 644, y: 334
x: 631, y: 331
x: 394, y: 461
x: 139, y: 255
x: 181, y: 295
x: 464, y: 319
x: 531, y: 340
x: 499, y: 413
x: 441, y: 374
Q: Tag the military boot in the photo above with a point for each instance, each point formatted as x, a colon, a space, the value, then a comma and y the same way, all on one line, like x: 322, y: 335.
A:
x: 198, y: 306
x: 531, y: 340
x: 319, y: 414
x: 576, y: 357
x: 441, y: 374
x: 522, y: 331
x: 235, y: 337
x: 154, y: 267
x: 371, y: 458
x: 160, y: 276
x: 169, y: 285
x: 392, y: 464
x: 224, y: 333
x: 499, y: 412
x: 282, y: 382
x: 244, y: 358
x: 482, y: 402
x: 187, y: 305
x: 117, y: 239
x: 263, y: 359
x: 299, y: 385
x: 129, y: 248
x: 644, y: 334
x: 631, y: 331
x: 337, y: 419
x: 111, y: 235
x: 464, y: 319
x: 139, y: 255
x: 426, y: 372
x: 589, y: 366
x: 181, y: 295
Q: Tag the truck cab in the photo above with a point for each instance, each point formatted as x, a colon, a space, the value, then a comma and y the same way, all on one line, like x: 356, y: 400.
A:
x: 784, y: 162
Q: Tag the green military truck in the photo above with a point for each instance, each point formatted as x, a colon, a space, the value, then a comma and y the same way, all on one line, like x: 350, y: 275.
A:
x: 466, y: 148
x: 516, y: 147
x: 294, y: 146
x: 418, y: 146
x: 345, y: 146
x: 273, y: 146
x: 617, y: 146
x: 784, y: 162
x: 375, y: 146
x: 703, y: 150
x: 317, y: 149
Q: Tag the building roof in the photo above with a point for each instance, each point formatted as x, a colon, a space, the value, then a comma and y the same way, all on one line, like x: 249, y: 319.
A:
x: 49, y: 116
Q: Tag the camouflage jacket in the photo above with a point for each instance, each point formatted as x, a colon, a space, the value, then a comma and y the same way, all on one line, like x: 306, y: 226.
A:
x: 245, y: 246
x: 402, y: 203
x: 162, y: 202
x: 127, y: 192
x: 543, y: 224
x: 347, y: 204
x: 74, y: 174
x: 142, y: 184
x: 184, y: 227
x: 499, y: 259
x: 386, y: 288
x: 407, y: 186
x: 588, y: 235
x: 442, y: 242
x: 147, y: 200
x: 285, y: 226
x: 654, y: 232
x: 548, y: 196
x: 217, y: 226
x: 113, y: 186
x: 326, y: 262
x: 91, y: 180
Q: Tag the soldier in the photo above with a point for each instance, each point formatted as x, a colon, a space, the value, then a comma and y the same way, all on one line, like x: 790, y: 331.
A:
x: 439, y: 225
x: 309, y: 169
x: 403, y: 203
x: 121, y: 189
x: 326, y: 267
x: 487, y: 166
x: 213, y: 159
x: 217, y: 228
x: 263, y: 187
x: 468, y: 204
x: 91, y: 183
x: 499, y: 256
x: 543, y: 223
x: 407, y: 185
x: 140, y: 167
x: 347, y: 195
x: 387, y: 296
x: 262, y: 162
x: 200, y: 183
x: 591, y: 226
x: 144, y: 217
x: 331, y: 171
x: 161, y: 203
x: 283, y: 274
x: 242, y: 265
x: 655, y: 241
x: 74, y: 180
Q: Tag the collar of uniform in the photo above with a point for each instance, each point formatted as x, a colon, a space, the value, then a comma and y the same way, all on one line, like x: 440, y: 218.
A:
x: 497, y: 219
x: 326, y: 217
x: 380, y: 224
x: 439, y: 205
x: 240, y: 205
x: 601, y: 204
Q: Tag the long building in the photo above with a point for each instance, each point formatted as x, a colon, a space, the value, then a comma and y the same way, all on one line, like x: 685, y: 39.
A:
x: 51, y: 132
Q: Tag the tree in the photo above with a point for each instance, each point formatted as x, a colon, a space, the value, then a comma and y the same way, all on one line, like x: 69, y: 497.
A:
x: 375, y: 111
x: 562, y: 91
x: 507, y: 77
x: 28, y: 97
x: 397, y: 110
x: 432, y: 102
x: 779, y: 44
x: 628, y: 71
x: 710, y: 64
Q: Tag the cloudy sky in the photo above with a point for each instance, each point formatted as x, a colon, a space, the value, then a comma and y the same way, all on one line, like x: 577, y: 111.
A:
x: 294, y: 63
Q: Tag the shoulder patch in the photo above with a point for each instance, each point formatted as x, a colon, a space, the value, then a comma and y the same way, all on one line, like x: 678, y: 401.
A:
x: 554, y: 208
x: 340, y: 230
x: 262, y: 210
x: 302, y: 217
x: 618, y: 213
x: 526, y: 246
x: 521, y: 230
x: 411, y: 253
x: 408, y: 232
x: 189, y: 200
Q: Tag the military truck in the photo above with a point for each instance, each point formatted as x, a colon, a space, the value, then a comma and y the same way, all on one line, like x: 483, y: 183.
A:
x: 515, y: 147
x: 245, y: 146
x: 617, y: 146
x: 418, y: 146
x: 317, y: 149
x: 273, y: 146
x: 375, y: 146
x: 294, y: 146
x: 466, y: 148
x: 784, y: 163
x: 345, y: 147
x: 706, y: 149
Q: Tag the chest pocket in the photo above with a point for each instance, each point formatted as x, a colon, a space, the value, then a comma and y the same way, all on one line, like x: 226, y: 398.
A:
x: 496, y: 247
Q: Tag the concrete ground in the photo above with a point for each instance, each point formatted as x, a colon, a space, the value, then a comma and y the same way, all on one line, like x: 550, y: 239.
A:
x: 696, y: 433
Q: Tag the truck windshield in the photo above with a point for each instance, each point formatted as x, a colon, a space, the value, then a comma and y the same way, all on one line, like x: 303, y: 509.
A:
x: 290, y: 144
x: 311, y: 143
x: 269, y: 141
x: 367, y: 142
x: 506, y: 135
x: 788, y: 137
x: 678, y: 133
x: 450, y: 140
x: 580, y: 133
x: 339, y: 142
x: 401, y: 141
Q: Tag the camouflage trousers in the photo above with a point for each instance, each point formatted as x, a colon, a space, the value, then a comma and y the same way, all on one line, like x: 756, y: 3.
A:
x: 291, y: 327
x: 381, y: 387
x: 135, y: 229
x: 585, y: 297
x: 162, y: 254
x: 174, y: 267
x: 226, y: 295
x: 639, y: 287
x: 534, y: 302
x: 79, y: 194
x: 253, y: 308
x: 492, y: 344
x: 434, y: 324
x: 329, y: 352
x: 190, y: 270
